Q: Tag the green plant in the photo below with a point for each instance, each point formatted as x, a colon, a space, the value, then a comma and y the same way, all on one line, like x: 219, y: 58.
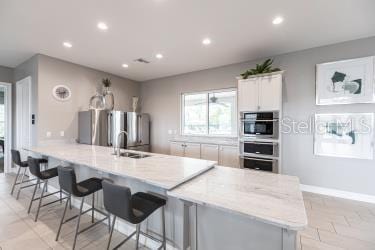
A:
x: 106, y: 82
x: 263, y: 68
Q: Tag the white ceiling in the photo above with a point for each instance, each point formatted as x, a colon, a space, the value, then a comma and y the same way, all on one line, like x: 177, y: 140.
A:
x: 240, y: 30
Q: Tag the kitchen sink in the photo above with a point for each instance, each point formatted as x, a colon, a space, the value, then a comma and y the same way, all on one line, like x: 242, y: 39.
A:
x: 133, y: 155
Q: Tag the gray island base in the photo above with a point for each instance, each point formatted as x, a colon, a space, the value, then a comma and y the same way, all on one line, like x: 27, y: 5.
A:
x: 208, y: 207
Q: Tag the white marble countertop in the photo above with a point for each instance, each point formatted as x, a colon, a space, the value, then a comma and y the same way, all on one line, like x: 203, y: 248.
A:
x: 163, y: 171
x: 270, y: 198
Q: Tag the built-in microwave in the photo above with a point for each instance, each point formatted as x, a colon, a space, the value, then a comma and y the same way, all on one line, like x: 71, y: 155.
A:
x: 250, y: 147
x: 258, y: 163
x: 260, y: 124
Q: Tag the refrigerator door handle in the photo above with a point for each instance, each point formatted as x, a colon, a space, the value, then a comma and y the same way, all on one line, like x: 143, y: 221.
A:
x: 110, y: 129
x: 139, y: 128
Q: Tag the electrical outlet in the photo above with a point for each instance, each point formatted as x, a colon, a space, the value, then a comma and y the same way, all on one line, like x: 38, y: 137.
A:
x: 48, y: 134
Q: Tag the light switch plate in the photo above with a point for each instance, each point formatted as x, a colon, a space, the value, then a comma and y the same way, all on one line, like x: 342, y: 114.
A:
x: 62, y: 133
x: 48, y: 134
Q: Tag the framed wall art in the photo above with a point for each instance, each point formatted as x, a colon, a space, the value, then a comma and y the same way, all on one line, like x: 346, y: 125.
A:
x: 344, y: 135
x: 345, y: 82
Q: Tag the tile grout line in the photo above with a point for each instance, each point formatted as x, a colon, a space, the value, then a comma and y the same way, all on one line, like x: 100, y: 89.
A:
x: 27, y: 225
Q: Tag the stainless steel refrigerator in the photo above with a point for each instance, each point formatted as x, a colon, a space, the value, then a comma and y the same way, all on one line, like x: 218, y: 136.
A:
x: 101, y: 127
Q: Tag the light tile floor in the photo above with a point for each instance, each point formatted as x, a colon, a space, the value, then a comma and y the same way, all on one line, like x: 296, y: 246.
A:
x: 334, y: 224
x: 19, y: 231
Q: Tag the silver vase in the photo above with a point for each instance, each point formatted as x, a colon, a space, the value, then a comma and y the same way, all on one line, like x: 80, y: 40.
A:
x: 109, y: 99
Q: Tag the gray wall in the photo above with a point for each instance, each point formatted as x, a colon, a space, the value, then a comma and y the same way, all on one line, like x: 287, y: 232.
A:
x: 160, y: 98
x: 6, y: 74
x: 56, y: 116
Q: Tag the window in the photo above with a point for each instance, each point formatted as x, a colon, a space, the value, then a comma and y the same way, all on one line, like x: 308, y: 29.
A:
x: 209, y: 113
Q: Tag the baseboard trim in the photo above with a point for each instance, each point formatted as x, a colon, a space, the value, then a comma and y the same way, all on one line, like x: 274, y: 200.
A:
x: 338, y: 193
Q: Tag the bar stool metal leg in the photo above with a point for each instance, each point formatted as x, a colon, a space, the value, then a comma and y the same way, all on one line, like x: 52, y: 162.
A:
x: 138, y: 229
x: 78, y: 221
x: 44, y: 189
x: 33, y: 196
x: 15, y: 180
x: 163, y: 225
x: 111, y: 232
x: 109, y: 222
x: 93, y: 203
x: 19, y: 189
x: 62, y: 218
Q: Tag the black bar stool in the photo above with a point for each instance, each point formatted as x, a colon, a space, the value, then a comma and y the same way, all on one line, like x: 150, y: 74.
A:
x: 135, y: 208
x: 16, y: 158
x: 42, y: 176
x: 68, y: 183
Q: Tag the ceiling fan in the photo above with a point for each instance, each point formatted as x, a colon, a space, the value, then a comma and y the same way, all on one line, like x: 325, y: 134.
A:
x: 213, y: 99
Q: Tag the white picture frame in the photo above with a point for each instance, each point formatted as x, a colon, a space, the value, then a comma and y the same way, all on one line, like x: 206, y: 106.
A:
x: 348, y: 135
x: 345, y: 82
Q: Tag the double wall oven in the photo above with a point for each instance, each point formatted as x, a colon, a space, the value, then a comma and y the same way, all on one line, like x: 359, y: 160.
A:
x: 259, y: 145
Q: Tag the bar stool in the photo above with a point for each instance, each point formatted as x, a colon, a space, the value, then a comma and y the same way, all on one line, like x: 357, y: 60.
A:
x: 42, y: 176
x: 68, y: 183
x: 135, y: 208
x: 16, y: 158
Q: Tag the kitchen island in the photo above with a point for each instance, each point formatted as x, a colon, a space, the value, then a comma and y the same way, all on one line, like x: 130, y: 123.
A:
x: 207, y: 207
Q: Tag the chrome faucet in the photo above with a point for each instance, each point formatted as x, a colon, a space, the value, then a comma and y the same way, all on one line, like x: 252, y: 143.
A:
x: 118, y: 142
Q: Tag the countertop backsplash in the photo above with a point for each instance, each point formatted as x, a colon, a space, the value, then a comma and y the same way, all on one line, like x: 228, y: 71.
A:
x: 206, y: 139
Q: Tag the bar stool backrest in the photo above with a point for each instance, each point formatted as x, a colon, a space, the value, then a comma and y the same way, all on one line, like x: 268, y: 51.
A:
x: 34, y: 166
x: 117, y: 200
x: 16, y: 157
x: 68, y: 180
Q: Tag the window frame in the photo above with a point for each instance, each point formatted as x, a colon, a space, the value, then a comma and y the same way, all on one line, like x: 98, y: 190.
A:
x: 207, y: 92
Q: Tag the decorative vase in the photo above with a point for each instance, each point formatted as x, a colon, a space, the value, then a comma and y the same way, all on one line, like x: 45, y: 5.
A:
x: 135, y: 103
x: 97, y: 102
x: 109, y: 99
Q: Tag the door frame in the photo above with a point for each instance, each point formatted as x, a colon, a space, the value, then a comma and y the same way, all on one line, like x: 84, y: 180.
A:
x: 8, y: 125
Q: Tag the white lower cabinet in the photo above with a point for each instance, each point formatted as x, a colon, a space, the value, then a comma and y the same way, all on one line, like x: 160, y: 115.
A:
x: 210, y: 152
x: 185, y: 149
x: 193, y: 150
x: 177, y: 148
x: 229, y: 156
x: 224, y: 155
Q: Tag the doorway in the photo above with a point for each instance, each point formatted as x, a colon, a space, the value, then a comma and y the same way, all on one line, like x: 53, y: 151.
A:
x: 23, y: 116
x: 5, y: 126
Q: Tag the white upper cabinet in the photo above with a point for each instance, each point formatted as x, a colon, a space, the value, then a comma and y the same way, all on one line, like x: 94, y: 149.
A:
x: 229, y: 156
x: 210, y: 152
x: 248, y: 95
x: 193, y: 150
x: 260, y: 93
x: 270, y: 93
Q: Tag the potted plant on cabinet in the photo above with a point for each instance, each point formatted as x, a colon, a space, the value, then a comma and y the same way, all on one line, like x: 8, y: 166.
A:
x: 263, y: 68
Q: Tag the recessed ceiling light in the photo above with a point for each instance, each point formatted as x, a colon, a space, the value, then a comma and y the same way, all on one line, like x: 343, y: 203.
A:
x: 67, y: 44
x: 125, y: 65
x: 159, y: 56
x: 277, y: 20
x: 206, y: 41
x: 102, y: 26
